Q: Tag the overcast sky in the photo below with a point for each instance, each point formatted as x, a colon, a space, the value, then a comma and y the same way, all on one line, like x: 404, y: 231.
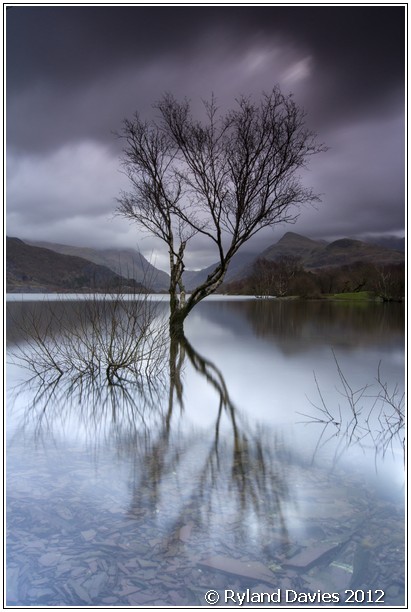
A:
x: 74, y: 73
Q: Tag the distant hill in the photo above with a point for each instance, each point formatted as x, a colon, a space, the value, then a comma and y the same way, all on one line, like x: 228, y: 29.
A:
x: 125, y: 262
x: 346, y: 251
x: 294, y: 245
x: 313, y: 254
x: 36, y: 269
x: 389, y: 242
x: 238, y: 267
x: 316, y: 254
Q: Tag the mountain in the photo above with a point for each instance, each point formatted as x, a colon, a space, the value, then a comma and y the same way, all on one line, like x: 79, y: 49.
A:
x: 124, y: 262
x: 347, y: 251
x: 293, y: 245
x: 36, y: 269
x: 315, y: 254
x: 389, y: 242
x: 240, y: 264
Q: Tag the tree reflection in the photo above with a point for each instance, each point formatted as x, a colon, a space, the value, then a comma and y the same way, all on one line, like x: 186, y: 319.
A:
x: 119, y: 335
x: 371, y: 414
x: 232, y: 472
x: 88, y: 407
x: 236, y: 473
x: 288, y: 322
x: 229, y: 488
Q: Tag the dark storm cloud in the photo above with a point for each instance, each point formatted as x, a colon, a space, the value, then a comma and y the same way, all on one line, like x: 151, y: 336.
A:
x: 73, y: 74
x: 66, y: 43
x: 60, y: 55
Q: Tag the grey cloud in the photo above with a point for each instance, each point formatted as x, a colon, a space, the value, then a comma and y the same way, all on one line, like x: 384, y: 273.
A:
x: 74, y: 73
x: 43, y: 116
x: 98, y: 231
x: 75, y: 179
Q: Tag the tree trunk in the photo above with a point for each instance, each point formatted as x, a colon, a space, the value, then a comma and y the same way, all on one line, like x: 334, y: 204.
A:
x: 177, y: 317
x: 180, y: 308
x: 177, y: 298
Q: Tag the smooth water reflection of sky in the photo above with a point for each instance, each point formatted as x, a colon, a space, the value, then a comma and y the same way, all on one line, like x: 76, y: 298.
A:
x: 270, y: 387
x: 257, y: 468
x: 268, y: 383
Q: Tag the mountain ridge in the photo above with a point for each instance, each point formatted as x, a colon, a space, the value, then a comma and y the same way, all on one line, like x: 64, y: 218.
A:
x: 312, y: 254
x: 126, y: 262
x: 30, y: 268
x: 316, y: 254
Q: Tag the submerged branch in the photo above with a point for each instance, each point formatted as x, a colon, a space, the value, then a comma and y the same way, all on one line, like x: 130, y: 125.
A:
x: 117, y: 336
x: 378, y: 416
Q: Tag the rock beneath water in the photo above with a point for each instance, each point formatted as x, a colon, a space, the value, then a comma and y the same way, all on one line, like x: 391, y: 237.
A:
x: 312, y: 556
x: 185, y: 532
x: 50, y: 559
x: 88, y: 534
x: 253, y: 570
x: 12, y: 577
x: 95, y: 584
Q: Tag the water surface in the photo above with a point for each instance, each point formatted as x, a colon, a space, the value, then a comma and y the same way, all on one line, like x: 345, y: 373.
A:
x: 225, y: 473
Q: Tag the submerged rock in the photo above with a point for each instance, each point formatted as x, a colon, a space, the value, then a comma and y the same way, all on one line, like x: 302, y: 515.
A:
x: 312, y: 556
x: 245, y: 569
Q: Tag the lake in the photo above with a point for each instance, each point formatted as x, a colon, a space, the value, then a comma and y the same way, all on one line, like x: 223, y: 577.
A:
x: 262, y: 463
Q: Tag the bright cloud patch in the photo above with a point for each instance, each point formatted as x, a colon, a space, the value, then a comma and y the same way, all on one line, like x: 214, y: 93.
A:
x: 298, y: 71
x: 77, y: 179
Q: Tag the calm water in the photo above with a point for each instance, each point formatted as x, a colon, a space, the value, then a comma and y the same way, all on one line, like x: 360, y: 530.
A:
x: 251, y: 464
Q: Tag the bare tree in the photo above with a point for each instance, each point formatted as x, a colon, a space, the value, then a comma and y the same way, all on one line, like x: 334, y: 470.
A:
x: 274, y: 277
x: 389, y: 282
x: 224, y: 178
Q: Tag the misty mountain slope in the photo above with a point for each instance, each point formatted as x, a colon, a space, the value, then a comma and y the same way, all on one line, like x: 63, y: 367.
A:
x: 347, y: 251
x: 314, y: 254
x: 238, y: 267
x: 394, y: 243
x: 125, y: 262
x: 30, y: 268
x: 293, y: 245
x: 320, y: 254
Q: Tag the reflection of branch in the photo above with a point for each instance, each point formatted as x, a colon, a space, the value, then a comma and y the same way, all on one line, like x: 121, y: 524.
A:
x: 177, y: 357
x: 240, y: 470
x: 118, y: 334
x: 91, y: 404
x: 213, y: 375
x: 385, y: 410
x: 242, y: 474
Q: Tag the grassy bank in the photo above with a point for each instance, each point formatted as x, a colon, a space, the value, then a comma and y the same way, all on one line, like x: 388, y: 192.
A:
x: 357, y: 296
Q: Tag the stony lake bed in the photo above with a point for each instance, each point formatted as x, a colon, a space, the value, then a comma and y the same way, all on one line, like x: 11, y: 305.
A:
x: 216, y: 482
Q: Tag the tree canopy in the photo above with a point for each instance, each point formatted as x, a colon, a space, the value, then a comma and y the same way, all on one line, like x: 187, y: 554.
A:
x: 224, y: 177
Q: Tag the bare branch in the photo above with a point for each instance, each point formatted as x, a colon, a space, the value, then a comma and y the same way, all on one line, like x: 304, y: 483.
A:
x: 226, y: 177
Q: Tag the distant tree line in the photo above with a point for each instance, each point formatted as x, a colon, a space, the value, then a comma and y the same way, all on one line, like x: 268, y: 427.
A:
x: 287, y: 277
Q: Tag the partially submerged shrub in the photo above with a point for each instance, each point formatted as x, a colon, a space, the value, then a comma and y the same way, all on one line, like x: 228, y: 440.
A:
x: 118, y: 335
x: 374, y: 412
